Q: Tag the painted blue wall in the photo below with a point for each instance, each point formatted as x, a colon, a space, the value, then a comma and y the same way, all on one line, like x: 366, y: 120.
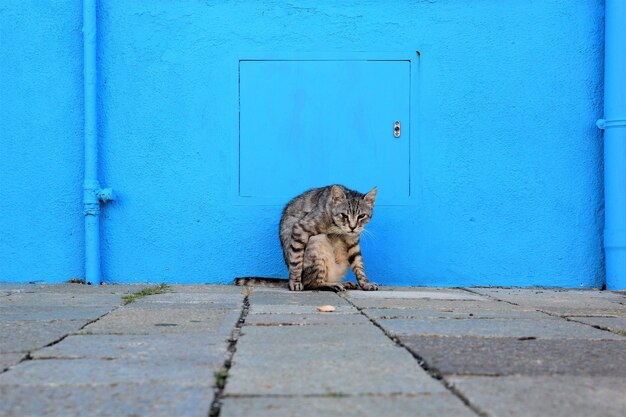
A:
x: 508, y: 167
x: 41, y: 156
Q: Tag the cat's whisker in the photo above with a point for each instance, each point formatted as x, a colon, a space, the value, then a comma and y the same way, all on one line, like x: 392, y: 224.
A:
x: 369, y: 236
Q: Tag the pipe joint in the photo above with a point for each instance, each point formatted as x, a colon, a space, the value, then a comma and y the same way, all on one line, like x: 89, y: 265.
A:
x: 93, y: 195
x: 607, y: 123
x: 105, y: 195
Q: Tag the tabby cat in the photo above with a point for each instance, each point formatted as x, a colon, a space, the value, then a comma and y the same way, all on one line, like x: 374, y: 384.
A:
x: 319, y: 232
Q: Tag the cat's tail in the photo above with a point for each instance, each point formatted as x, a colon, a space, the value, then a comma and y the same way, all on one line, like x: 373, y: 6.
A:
x: 262, y: 282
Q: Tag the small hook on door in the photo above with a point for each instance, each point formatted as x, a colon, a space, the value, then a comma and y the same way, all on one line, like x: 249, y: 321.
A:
x: 396, y: 129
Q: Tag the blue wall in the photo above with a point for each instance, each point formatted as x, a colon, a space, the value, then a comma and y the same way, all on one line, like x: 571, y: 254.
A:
x: 508, y: 167
x: 41, y: 155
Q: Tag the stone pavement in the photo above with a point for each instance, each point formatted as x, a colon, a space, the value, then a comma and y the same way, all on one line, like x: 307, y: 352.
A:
x: 209, y: 350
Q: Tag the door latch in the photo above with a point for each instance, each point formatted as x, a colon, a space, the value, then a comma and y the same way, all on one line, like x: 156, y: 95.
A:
x: 396, y: 129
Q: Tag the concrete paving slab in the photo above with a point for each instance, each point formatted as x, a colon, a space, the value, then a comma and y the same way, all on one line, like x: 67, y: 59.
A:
x: 558, y: 300
x: 549, y: 293
x: 286, y: 297
x: 554, y: 396
x: 30, y: 313
x: 428, y: 295
x: 191, y: 348
x: 585, y: 311
x: 614, y: 324
x: 305, y: 319
x: 322, y: 360
x: 126, y: 360
x: 421, y: 405
x: 209, y: 306
x: 12, y: 286
x: 42, y: 299
x: 25, y: 336
x: 506, y: 356
x: 270, y: 289
x: 56, y: 372
x: 106, y: 400
x: 452, y: 312
x: 404, y: 303
x: 10, y: 359
x: 165, y: 320
x: 209, y: 289
x: 331, y: 376
x: 69, y: 288
x: 249, y: 353
x: 428, y: 289
x: 540, y: 328
x: 336, y: 334
x: 296, y: 309
x: 204, y: 299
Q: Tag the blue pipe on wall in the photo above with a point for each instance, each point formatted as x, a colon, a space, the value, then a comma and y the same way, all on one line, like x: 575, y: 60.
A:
x: 92, y: 193
x: 614, y: 125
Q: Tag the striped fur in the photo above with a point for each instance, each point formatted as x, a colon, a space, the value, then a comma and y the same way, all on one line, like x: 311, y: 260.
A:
x: 319, y: 233
x: 262, y: 282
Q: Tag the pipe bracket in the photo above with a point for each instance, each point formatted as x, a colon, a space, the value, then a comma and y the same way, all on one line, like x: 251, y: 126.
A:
x: 606, y: 123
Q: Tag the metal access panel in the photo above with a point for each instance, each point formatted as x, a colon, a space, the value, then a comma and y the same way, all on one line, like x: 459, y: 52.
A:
x: 310, y: 123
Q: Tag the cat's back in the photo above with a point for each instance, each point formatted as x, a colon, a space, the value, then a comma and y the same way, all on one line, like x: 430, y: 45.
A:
x: 308, y: 201
x: 299, y: 207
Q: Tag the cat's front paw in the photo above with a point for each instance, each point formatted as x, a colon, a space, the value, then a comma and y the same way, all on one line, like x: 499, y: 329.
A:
x: 348, y: 285
x: 336, y: 287
x: 369, y: 286
x: 296, y: 286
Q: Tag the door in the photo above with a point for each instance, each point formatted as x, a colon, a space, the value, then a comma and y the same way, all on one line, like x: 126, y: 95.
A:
x: 309, y: 123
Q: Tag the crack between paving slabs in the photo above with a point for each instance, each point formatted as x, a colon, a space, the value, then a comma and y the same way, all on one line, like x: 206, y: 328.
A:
x: 551, y: 314
x: 221, y: 377
x: 595, y: 326
x: 342, y: 395
x: 28, y: 355
x: 431, y: 371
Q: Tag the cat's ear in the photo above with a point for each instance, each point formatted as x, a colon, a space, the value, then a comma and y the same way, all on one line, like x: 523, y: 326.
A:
x: 371, y: 196
x: 337, y: 194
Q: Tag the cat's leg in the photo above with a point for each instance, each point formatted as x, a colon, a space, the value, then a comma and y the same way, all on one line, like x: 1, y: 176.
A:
x: 317, y: 265
x: 299, y: 239
x: 349, y: 285
x: 356, y: 263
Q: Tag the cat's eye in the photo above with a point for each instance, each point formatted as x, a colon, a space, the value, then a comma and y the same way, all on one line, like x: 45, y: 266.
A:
x: 361, y: 216
x: 344, y: 216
